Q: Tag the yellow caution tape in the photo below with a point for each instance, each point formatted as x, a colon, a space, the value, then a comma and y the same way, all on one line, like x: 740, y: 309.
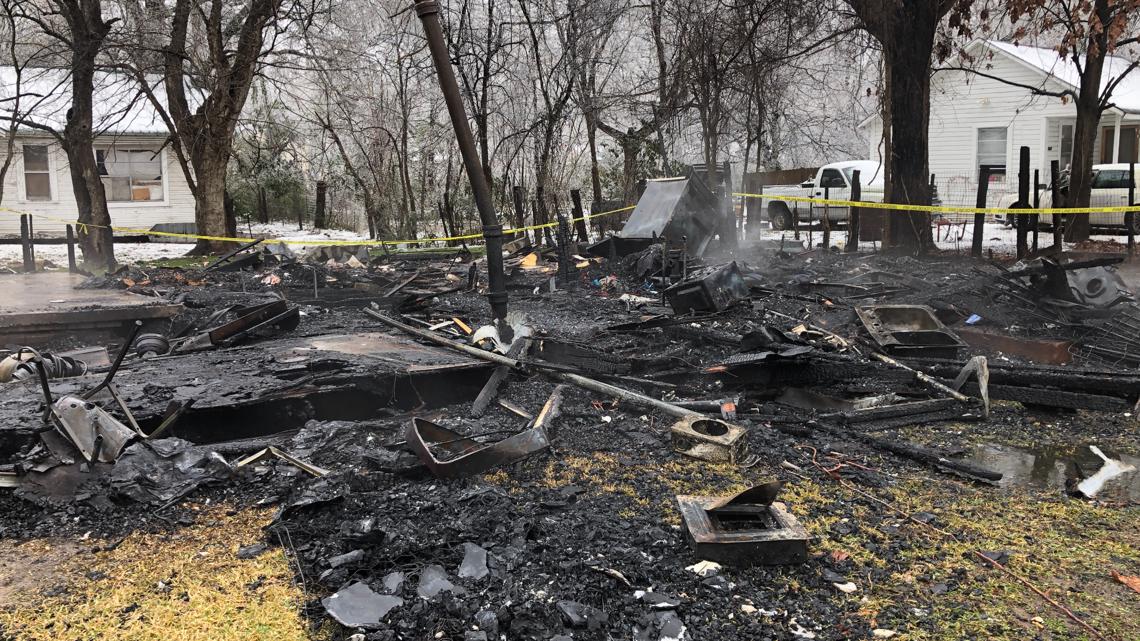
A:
x: 863, y: 204
x: 311, y: 243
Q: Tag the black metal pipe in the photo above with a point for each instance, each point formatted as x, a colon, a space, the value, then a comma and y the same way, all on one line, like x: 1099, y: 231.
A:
x: 428, y: 11
x: 118, y: 360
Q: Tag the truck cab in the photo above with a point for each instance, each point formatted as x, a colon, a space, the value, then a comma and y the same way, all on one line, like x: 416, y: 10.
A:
x: 832, y: 181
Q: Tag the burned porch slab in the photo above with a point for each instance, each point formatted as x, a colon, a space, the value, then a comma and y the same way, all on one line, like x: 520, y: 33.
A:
x: 268, y: 387
x: 41, y: 305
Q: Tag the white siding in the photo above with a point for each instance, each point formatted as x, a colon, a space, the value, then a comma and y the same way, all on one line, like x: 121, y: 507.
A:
x: 177, y: 207
x: 962, y: 102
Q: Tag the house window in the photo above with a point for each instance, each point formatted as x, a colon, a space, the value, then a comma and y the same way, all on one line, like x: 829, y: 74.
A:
x: 1066, y: 146
x: 130, y: 174
x: 37, y: 173
x: 1128, y: 144
x: 991, y: 149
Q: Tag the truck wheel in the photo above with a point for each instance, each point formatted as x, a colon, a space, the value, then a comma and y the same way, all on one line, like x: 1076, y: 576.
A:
x: 779, y: 216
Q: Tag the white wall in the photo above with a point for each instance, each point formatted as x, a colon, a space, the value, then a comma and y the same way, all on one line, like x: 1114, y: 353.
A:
x: 962, y: 102
x: 177, y: 207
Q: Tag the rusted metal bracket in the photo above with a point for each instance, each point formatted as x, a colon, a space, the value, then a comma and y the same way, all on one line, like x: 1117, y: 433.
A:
x: 461, y: 456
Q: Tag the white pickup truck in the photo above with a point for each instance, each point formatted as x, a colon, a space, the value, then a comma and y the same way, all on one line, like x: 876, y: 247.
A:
x: 834, y: 181
x: 1109, y: 189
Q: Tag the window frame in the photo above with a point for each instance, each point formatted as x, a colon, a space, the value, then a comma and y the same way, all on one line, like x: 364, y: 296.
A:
x: 995, y: 168
x: 128, y: 146
x: 838, y: 174
x: 53, y: 189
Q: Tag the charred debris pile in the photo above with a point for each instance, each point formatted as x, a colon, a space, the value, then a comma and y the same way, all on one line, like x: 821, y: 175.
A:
x: 434, y: 471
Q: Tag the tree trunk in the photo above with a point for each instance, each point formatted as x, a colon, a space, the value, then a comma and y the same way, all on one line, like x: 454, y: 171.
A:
x: 1077, y: 226
x: 88, y: 31
x: 96, y: 239
x: 909, y: 69
x: 262, y: 206
x: 592, y: 140
x: 630, y: 150
x: 319, y: 209
x: 210, y: 201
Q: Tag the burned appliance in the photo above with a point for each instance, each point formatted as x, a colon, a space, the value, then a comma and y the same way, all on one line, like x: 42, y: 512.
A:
x: 1093, y: 283
x: 746, y: 529
x: 97, y: 434
x: 676, y: 209
x: 709, y: 439
x: 909, y: 330
x: 712, y: 292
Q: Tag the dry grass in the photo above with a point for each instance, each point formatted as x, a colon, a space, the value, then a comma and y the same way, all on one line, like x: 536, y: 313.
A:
x: 183, y: 586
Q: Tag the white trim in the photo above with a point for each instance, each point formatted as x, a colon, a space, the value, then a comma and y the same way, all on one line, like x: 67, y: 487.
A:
x: 53, y: 171
x: 1116, y: 139
x: 1008, y: 137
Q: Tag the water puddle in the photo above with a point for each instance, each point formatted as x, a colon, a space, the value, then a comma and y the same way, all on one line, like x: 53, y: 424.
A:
x: 1051, y: 467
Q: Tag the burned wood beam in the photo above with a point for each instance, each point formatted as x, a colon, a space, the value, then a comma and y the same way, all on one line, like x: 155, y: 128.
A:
x: 574, y: 379
x: 1120, y: 384
x: 898, y: 410
x: 1047, y: 397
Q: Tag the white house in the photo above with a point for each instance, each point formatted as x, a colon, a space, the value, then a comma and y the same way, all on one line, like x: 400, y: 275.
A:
x: 975, y: 120
x: 144, y: 183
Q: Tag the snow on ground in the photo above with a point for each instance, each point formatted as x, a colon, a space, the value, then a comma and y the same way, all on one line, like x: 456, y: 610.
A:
x: 55, y: 256
x: 1000, y: 239
x: 11, y: 256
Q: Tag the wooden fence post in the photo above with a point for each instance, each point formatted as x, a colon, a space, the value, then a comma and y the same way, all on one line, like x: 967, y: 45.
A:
x: 980, y: 217
x: 853, y: 214
x: 826, y: 219
x: 71, y: 264
x: 1035, y: 219
x: 1130, y: 217
x: 1058, y: 225
x: 1022, y: 222
x: 26, y: 244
